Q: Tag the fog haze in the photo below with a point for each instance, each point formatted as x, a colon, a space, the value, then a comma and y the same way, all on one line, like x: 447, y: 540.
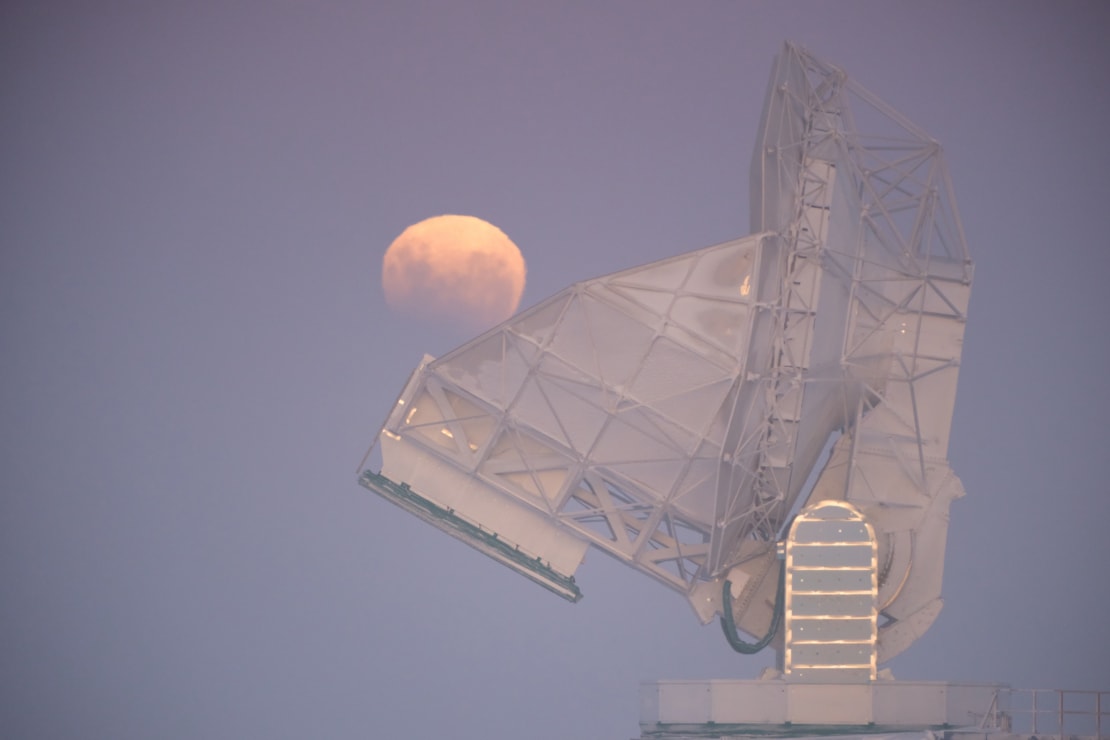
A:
x: 196, y: 352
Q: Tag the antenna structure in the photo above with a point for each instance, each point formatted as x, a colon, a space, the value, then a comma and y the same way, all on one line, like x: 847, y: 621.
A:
x: 761, y: 426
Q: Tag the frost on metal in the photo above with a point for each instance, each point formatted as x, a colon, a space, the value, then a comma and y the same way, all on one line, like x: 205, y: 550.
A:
x: 672, y: 414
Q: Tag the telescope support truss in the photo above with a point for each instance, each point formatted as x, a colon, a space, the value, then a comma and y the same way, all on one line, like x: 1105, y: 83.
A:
x: 673, y: 415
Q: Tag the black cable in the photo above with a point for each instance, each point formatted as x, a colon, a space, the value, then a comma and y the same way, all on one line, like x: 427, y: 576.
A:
x: 728, y: 624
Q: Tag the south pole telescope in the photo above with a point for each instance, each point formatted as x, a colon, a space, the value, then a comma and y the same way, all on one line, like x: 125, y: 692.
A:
x: 761, y: 425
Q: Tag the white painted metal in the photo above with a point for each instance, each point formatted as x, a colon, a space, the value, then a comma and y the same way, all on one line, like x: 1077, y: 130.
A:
x: 775, y: 707
x: 831, y: 596
x: 673, y: 710
x: 604, y: 409
x: 672, y: 413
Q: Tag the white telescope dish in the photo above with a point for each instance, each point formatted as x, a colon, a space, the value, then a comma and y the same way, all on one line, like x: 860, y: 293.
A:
x: 674, y: 415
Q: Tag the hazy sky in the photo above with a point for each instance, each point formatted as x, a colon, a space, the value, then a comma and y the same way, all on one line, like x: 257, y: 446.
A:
x: 195, y: 350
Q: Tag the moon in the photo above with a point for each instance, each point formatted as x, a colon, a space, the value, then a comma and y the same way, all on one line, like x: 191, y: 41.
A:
x: 454, y: 269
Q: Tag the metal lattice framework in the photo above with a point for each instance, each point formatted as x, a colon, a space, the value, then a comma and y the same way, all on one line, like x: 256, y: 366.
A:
x: 672, y: 414
x: 604, y: 407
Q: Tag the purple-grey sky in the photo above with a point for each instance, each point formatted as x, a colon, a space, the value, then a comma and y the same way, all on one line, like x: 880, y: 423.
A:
x: 195, y: 350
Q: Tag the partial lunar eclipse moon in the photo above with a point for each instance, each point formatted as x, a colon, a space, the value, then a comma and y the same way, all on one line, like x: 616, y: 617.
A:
x: 458, y: 270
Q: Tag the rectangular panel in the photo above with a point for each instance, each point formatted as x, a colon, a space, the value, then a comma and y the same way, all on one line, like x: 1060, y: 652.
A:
x: 831, y: 531
x: 830, y: 629
x: 854, y: 556
x: 829, y: 704
x: 748, y: 702
x: 809, y: 605
x: 830, y: 580
x: 831, y: 655
x: 684, y: 701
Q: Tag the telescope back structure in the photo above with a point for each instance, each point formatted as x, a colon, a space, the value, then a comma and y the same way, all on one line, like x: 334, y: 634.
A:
x: 678, y: 415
